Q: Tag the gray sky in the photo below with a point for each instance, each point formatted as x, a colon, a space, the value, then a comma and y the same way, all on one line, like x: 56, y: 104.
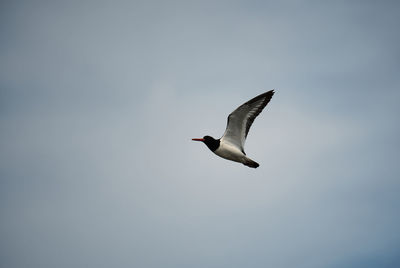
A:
x: 99, y: 101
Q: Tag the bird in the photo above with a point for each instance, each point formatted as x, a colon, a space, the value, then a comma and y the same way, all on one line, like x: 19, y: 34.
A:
x: 231, y: 145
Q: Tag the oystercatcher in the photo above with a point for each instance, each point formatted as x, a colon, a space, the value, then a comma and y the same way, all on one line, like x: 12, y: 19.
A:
x: 231, y: 145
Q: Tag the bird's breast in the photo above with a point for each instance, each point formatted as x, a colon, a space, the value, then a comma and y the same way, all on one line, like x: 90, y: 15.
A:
x: 229, y: 151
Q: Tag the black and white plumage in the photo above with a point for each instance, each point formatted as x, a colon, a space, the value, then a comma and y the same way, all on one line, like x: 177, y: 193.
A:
x: 231, y: 145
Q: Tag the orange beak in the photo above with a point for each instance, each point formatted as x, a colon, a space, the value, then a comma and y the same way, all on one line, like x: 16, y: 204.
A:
x: 197, y: 139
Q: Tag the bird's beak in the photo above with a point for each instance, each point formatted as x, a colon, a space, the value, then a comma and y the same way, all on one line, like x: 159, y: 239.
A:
x: 197, y: 139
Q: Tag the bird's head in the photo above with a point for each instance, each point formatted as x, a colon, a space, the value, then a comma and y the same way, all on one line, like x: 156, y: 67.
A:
x: 211, y: 143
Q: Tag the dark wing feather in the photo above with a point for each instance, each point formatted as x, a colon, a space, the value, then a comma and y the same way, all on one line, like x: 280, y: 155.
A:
x: 266, y: 97
x: 241, y: 119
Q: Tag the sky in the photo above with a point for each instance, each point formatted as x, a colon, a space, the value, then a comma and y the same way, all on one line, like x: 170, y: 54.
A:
x: 99, y: 101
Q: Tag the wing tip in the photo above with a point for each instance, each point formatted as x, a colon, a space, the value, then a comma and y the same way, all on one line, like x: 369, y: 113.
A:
x: 268, y: 95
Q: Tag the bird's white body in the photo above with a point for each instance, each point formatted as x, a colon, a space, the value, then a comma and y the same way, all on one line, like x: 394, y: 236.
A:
x: 230, y: 151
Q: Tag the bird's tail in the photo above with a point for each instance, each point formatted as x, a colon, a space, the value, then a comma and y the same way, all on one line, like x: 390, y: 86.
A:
x: 250, y: 163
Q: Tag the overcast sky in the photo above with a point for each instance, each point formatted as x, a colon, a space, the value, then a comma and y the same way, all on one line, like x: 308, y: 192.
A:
x: 99, y: 101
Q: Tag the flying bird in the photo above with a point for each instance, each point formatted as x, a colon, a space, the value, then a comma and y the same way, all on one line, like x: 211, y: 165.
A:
x: 231, y: 145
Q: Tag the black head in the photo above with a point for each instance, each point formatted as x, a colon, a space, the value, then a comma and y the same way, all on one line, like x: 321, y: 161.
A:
x: 211, y: 143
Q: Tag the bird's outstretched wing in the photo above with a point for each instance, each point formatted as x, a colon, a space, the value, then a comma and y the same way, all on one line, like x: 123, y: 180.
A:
x: 241, y: 119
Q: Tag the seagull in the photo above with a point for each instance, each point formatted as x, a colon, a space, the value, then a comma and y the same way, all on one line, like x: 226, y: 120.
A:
x: 231, y: 145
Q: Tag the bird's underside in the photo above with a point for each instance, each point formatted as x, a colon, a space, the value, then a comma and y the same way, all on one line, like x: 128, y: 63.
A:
x: 231, y: 152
